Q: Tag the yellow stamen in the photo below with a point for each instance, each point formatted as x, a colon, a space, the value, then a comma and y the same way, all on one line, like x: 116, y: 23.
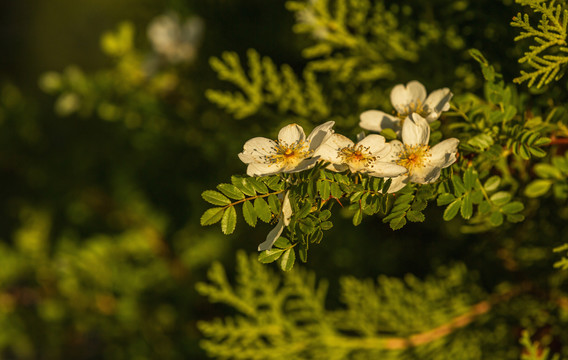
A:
x: 357, y: 157
x: 288, y: 156
x: 413, y: 107
x: 414, y: 156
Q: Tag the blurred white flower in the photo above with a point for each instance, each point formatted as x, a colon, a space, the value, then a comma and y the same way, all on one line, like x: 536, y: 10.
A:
x: 366, y: 156
x: 174, y: 41
x: 292, y: 152
x: 274, y: 234
x: 407, y: 100
x: 422, y: 161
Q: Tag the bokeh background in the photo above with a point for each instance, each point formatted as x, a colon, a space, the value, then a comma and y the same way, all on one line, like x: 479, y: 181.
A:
x: 106, y: 144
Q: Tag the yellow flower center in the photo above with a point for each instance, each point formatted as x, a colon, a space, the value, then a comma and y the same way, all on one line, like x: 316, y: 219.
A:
x: 414, y: 156
x: 289, y: 156
x: 357, y: 157
x: 413, y: 107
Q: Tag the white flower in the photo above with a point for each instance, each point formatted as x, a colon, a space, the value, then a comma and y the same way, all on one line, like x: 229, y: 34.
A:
x: 407, y: 100
x: 274, y: 234
x: 423, y: 163
x: 292, y: 152
x: 366, y: 156
x: 175, y: 41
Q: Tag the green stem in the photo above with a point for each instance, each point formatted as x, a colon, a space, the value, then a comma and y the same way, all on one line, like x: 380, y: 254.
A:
x: 252, y: 198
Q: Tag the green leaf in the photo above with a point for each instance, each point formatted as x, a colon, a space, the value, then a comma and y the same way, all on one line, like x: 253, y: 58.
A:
x: 324, y: 189
x: 249, y: 214
x: 481, y: 141
x: 397, y: 223
x: 515, y: 218
x: 303, y: 252
x: 547, y: 171
x: 500, y: 198
x: 229, y: 221
x: 273, y: 182
x: 466, y: 208
x: 243, y: 185
x: 386, y: 186
x: 326, y: 225
x: 538, y: 188
x: 484, y: 207
x: 268, y: 256
x: 459, y: 188
x: 389, y: 134
x: 211, y: 216
x: 274, y: 204
x: 282, y: 243
x: 537, y: 152
x: 496, y: 218
x: 307, y: 225
x: 262, y: 210
x: 315, y: 239
x: 258, y: 186
x: 513, y: 207
x: 419, y: 205
x: 469, y: 178
x: 357, y: 217
x: 477, y: 197
x: 231, y: 191
x: 510, y: 112
x: 336, y: 190
x: 305, y: 210
x: 324, y: 215
x: 415, y: 216
x: 445, y: 199
x: 492, y: 183
x: 215, y: 198
x: 287, y: 259
x: 452, y: 210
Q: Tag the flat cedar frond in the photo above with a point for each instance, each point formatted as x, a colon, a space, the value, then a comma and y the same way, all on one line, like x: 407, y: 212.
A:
x: 266, y: 85
x: 548, y: 56
x: 444, y: 314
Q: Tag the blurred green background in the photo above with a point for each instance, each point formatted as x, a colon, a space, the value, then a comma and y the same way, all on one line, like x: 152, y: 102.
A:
x: 105, y: 148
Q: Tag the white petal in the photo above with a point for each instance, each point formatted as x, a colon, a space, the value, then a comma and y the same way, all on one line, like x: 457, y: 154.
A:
x: 303, y: 165
x: 329, y: 151
x: 425, y: 175
x: 403, y: 96
x: 392, y: 156
x: 258, y: 169
x: 415, y: 130
x: 374, y: 120
x: 437, y: 102
x: 320, y: 134
x: 444, y: 153
x: 375, y: 145
x: 246, y: 157
x: 398, y: 183
x: 257, y: 149
x: 291, y: 134
x: 337, y: 167
x: 272, y: 236
x: 286, y: 210
x: 386, y: 169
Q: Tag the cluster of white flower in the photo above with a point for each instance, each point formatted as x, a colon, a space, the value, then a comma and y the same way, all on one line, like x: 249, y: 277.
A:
x: 411, y: 160
x: 175, y: 41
